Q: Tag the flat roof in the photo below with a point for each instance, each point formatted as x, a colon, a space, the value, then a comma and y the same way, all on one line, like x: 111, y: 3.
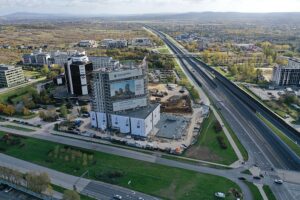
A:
x: 141, y: 113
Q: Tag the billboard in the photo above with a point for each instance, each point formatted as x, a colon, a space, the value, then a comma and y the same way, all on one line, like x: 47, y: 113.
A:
x: 127, y: 89
x: 125, y: 74
x: 129, y: 104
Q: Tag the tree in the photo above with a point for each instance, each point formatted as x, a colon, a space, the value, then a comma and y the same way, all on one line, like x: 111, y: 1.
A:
x: 71, y: 195
x: 83, y: 109
x: 25, y: 111
x: 2, y: 107
x: 37, y: 182
x: 45, y: 70
x: 9, y: 110
x: 64, y: 111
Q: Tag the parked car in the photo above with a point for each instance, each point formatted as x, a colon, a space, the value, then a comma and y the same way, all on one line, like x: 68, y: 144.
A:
x: 220, y: 195
x: 278, y: 181
x: 242, y: 178
x: 257, y: 177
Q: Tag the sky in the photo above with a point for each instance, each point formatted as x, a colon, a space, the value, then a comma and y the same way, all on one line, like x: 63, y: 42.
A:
x: 116, y: 7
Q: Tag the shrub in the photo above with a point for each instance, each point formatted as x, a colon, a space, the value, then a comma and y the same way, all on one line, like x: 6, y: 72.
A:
x: 218, y: 127
x: 222, y: 142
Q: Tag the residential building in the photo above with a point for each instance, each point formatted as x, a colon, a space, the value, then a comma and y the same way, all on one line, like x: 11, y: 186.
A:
x: 88, y: 43
x: 78, y: 75
x: 11, y: 76
x: 141, y: 42
x: 287, y: 75
x: 120, y: 100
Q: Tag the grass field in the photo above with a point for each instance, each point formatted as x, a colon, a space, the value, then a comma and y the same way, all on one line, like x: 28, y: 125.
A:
x: 281, y: 135
x: 269, y: 192
x: 153, y: 179
x: 19, y: 128
x: 17, y: 93
x: 207, y: 147
x: 254, y: 190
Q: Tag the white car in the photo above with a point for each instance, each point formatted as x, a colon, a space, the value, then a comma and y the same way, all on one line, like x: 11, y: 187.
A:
x: 220, y: 195
x: 278, y: 181
x: 118, y: 197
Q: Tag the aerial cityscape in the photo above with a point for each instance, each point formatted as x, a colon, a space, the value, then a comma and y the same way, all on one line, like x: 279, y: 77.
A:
x: 149, y: 99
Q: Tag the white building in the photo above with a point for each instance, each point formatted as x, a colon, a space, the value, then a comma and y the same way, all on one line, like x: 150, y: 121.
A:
x: 103, y: 62
x: 287, y: 75
x: 120, y: 100
x: 111, y: 43
x: 11, y: 76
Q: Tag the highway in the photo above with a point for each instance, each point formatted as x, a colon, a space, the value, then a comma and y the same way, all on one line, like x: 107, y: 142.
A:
x: 266, y: 149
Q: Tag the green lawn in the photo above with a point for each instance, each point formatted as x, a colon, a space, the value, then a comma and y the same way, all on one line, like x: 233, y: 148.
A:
x: 235, y: 138
x: 19, y: 128
x: 158, y: 180
x: 207, y: 147
x: 254, y: 190
x: 269, y: 192
x: 281, y: 135
x: 62, y: 190
x: 18, y: 93
x: 31, y: 74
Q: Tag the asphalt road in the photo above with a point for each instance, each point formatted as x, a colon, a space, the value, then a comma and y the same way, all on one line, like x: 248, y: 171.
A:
x: 264, y: 148
x: 270, y: 150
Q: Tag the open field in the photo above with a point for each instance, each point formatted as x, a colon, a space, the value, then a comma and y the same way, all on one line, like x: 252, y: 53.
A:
x: 16, y: 94
x: 208, y: 148
x: 153, y: 179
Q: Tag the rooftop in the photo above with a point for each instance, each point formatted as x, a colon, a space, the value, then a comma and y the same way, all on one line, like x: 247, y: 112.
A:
x: 141, y: 113
x: 4, y: 67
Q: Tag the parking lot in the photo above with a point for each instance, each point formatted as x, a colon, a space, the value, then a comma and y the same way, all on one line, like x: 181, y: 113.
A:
x: 8, y: 193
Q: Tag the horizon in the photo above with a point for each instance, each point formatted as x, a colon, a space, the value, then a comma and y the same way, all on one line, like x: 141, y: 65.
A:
x: 140, y: 7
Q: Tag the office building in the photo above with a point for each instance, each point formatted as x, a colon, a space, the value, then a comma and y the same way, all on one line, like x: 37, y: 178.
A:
x: 103, y: 62
x: 39, y: 58
x: 120, y: 100
x: 287, y: 75
x: 78, y: 75
x: 11, y: 76
x: 141, y: 42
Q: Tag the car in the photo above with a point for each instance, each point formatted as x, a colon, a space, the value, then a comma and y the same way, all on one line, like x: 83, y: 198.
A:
x: 220, y: 195
x: 141, y: 198
x: 8, y: 189
x: 278, y: 181
x: 242, y: 178
x: 261, y: 175
x: 117, y: 196
x: 257, y: 177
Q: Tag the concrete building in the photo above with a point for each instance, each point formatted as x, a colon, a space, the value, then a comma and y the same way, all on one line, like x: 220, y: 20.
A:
x: 120, y: 100
x: 11, y: 76
x: 287, y: 75
x: 36, y: 58
x: 88, y: 43
x: 78, y: 75
x: 103, y: 62
x: 111, y: 43
x: 141, y: 42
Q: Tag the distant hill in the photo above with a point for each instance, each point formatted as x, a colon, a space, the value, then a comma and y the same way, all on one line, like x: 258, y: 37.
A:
x: 195, y: 16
